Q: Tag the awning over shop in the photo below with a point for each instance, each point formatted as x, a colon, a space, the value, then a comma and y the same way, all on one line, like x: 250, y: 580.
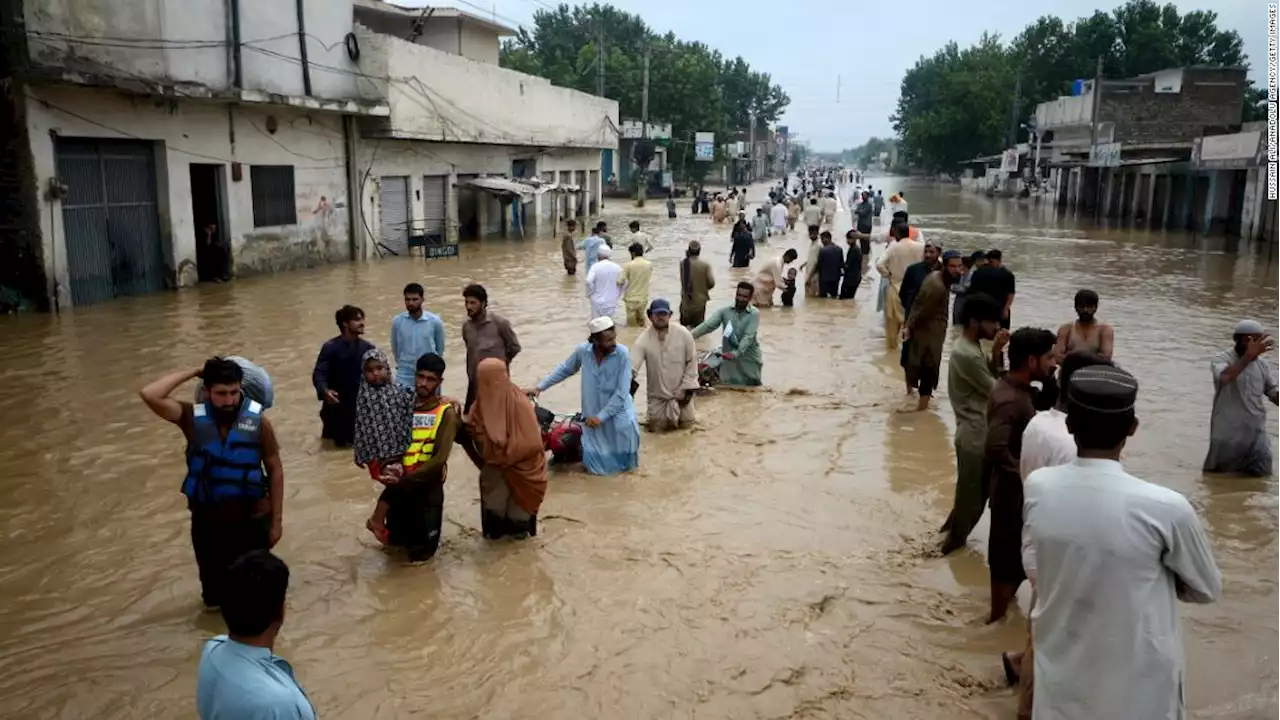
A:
x: 525, y: 188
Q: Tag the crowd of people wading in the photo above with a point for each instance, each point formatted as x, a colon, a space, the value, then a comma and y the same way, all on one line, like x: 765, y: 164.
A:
x: 1042, y: 417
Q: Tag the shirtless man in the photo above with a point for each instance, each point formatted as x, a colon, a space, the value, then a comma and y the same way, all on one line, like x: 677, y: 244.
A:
x: 1086, y: 333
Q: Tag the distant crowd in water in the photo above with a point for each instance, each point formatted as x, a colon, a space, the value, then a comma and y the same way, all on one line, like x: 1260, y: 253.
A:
x: 1041, y: 420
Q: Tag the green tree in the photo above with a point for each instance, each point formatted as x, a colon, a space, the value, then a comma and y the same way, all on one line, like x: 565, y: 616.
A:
x: 939, y: 123
x: 691, y: 85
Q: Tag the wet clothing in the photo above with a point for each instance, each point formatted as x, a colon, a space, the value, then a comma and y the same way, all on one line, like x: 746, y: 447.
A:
x: 591, y: 249
x: 812, y: 283
x: 852, y: 273
x: 892, y: 265
x: 411, y: 338
x: 1010, y: 408
x: 788, y: 293
x: 339, y: 368
x: 614, y: 446
x: 1239, y: 439
x: 513, y: 479
x: 415, y: 505
x: 225, y: 529
x: 696, y: 282
x: 247, y: 682
x: 635, y: 282
x: 970, y: 377
x: 812, y: 215
x: 830, y: 263
x: 778, y: 217
x: 928, y: 327
x: 743, y: 247
x: 767, y: 281
x: 912, y: 281
x: 864, y: 211
x: 760, y: 228
x: 671, y: 365
x: 739, y: 339
x: 490, y: 337
x: 1112, y: 555
x: 603, y: 288
x: 383, y: 417
x: 671, y: 207
x: 569, y: 252
x: 415, y: 517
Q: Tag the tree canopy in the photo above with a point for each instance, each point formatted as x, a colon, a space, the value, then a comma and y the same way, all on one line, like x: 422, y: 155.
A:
x: 958, y: 104
x: 867, y: 153
x: 691, y: 86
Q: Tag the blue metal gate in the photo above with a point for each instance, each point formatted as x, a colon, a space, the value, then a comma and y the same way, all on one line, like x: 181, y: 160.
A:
x: 109, y: 219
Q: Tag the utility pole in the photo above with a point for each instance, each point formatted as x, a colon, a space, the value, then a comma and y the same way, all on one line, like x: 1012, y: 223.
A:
x: 1093, y: 136
x: 599, y: 59
x: 644, y: 129
x: 1013, y: 119
x: 751, y: 149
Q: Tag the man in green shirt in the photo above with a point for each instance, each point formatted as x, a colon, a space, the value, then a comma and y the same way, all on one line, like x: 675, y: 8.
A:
x: 970, y: 377
x: 742, y: 363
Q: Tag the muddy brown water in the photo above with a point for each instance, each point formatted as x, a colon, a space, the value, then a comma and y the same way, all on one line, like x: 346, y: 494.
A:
x: 772, y: 563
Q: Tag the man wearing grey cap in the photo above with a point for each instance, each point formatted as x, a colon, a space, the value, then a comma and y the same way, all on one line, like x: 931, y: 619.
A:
x: 667, y: 351
x: 1109, y: 556
x: 1239, y: 441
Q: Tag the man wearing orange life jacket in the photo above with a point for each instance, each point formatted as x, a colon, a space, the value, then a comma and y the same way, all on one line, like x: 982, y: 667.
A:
x: 415, y: 500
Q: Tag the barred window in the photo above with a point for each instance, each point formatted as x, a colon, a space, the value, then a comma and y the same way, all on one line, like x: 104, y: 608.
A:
x: 273, y: 200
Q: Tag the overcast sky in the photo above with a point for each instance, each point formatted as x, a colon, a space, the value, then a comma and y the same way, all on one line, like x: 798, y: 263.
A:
x: 868, y: 46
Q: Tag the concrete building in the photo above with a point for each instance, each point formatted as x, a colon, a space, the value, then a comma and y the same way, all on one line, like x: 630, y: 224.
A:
x: 1140, y: 168
x: 1234, y: 166
x: 455, y: 116
x: 151, y: 144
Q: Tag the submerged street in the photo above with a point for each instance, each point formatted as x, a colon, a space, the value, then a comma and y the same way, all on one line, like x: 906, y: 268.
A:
x: 774, y: 562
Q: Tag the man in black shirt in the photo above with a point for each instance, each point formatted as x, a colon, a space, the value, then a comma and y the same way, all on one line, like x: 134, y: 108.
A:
x: 996, y: 281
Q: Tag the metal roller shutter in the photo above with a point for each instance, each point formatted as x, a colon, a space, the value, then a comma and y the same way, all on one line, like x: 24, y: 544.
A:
x: 435, y: 213
x: 110, y: 220
x: 393, y: 215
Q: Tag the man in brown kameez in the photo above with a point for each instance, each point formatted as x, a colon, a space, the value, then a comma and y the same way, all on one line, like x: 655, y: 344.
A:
x: 568, y: 248
x: 1009, y: 408
x: 696, y: 282
x: 926, y: 328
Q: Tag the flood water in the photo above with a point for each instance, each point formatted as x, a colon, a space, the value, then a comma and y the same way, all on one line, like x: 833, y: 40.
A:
x: 772, y: 563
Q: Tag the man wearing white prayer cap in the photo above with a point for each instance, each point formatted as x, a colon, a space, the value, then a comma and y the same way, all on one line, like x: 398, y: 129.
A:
x: 1239, y: 441
x: 1113, y: 555
x: 611, y: 438
x: 602, y: 284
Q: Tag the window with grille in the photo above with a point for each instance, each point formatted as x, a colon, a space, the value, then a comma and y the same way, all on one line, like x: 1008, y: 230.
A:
x: 273, y: 199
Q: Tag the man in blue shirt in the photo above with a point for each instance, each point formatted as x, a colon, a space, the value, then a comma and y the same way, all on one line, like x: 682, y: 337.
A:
x: 414, y: 333
x: 239, y: 677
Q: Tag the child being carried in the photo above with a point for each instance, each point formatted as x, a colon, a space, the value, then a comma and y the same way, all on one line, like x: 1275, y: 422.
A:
x: 384, y: 412
x: 789, y: 292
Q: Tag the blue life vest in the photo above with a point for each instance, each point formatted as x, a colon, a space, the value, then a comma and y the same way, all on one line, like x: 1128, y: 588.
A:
x: 219, y: 470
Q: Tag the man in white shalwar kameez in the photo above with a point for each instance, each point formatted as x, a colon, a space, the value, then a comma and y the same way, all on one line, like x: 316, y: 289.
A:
x: 1045, y: 443
x: 602, y: 284
x: 667, y: 352
x: 1111, y: 556
x: 1239, y: 434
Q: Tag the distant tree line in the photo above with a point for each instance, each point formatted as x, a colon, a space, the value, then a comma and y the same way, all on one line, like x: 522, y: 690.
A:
x: 691, y: 86
x: 957, y: 104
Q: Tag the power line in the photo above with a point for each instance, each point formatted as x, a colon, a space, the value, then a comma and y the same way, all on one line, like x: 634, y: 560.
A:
x: 168, y: 145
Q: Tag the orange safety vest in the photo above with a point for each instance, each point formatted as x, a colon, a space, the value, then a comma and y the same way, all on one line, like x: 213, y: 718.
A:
x: 422, y: 443
x: 912, y: 232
